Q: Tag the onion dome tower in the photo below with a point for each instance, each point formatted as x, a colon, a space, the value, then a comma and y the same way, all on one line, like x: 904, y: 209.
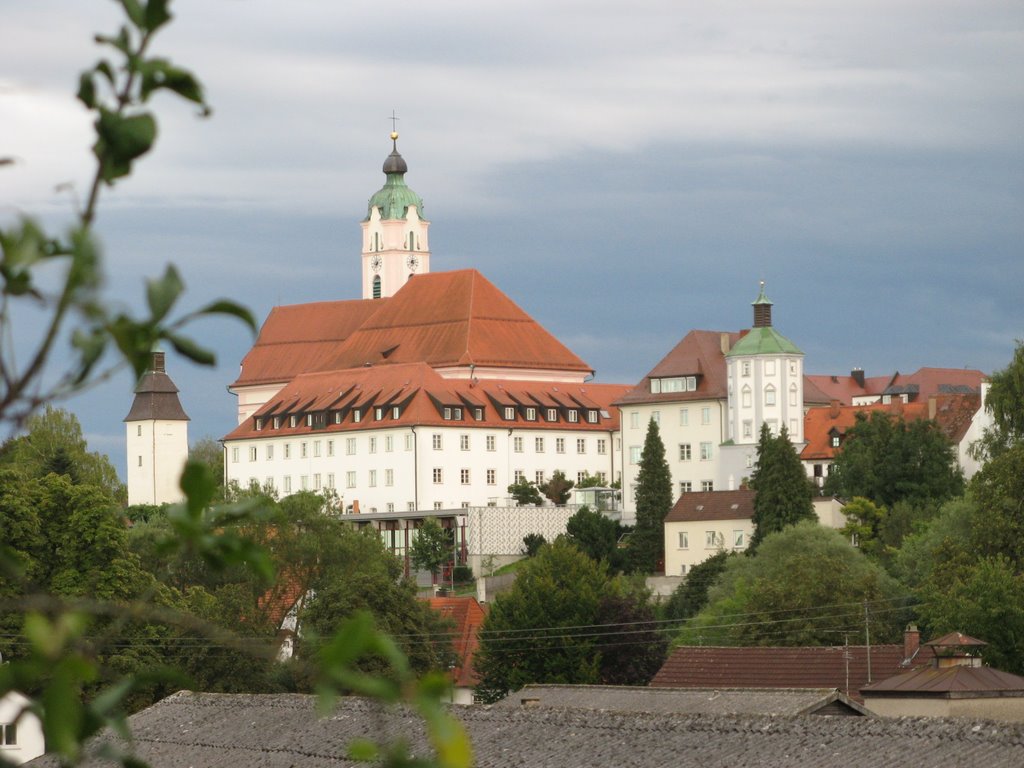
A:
x: 395, y: 245
x: 157, y: 438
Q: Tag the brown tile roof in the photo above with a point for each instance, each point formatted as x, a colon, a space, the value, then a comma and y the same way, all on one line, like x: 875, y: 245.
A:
x: 845, y: 388
x: 948, y: 682
x: 156, y: 396
x: 925, y: 382
x: 698, y: 353
x: 467, y: 615
x: 842, y: 667
x: 300, y: 338
x: 417, y: 388
x: 712, y: 505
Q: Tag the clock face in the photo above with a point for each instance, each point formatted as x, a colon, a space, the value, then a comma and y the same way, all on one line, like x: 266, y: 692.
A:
x: 375, y: 263
x: 412, y: 262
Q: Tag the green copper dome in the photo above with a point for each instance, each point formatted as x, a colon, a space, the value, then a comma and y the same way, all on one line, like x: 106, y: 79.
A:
x: 394, y: 198
x: 764, y: 341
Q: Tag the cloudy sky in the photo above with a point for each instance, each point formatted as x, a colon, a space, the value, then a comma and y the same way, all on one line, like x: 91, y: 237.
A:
x: 626, y: 172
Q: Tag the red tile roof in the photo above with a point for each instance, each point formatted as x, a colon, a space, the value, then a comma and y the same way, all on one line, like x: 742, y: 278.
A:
x: 467, y: 615
x: 699, y: 353
x: 842, y: 667
x: 845, y: 388
x: 712, y: 505
x: 416, y: 387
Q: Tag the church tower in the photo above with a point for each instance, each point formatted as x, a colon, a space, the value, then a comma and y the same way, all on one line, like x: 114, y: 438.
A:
x: 157, y: 438
x: 395, y: 246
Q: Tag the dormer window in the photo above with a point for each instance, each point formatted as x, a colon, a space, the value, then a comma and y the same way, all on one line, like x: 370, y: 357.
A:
x: 552, y: 414
x: 674, y: 384
x: 531, y: 414
x: 592, y: 417
x: 309, y: 419
x: 259, y: 424
x: 835, y: 441
x: 357, y: 415
x: 337, y: 417
x: 277, y: 422
x: 396, y: 412
x: 293, y: 421
x: 447, y: 414
x: 574, y: 416
x: 457, y: 414
x: 378, y: 414
x: 478, y: 414
x: 510, y: 413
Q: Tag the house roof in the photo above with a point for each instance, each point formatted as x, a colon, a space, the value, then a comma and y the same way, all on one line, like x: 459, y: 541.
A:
x: 422, y: 394
x: 156, y: 397
x: 467, y: 615
x: 845, y: 388
x: 699, y: 353
x: 842, y: 667
x: 957, y: 682
x: 283, y: 731
x: 925, y: 382
x: 763, y: 341
x: 708, y: 701
x: 712, y: 505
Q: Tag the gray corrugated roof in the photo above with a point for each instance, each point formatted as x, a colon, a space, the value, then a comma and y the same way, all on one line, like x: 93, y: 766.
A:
x: 282, y: 731
x: 709, y: 701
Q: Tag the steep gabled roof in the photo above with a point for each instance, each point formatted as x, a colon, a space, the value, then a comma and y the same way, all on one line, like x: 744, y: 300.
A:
x: 300, y: 338
x: 156, y: 397
x: 699, y: 353
x: 467, y: 615
x: 712, y: 505
x: 454, y: 319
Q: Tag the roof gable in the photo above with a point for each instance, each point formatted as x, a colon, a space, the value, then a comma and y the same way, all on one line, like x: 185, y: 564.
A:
x: 698, y: 353
x: 712, y: 505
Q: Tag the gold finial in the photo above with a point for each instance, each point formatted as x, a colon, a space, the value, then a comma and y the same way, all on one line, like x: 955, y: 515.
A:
x: 394, y: 135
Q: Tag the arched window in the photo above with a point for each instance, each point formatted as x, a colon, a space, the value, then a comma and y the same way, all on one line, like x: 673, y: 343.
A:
x: 412, y: 241
x: 769, y: 395
x: 376, y: 241
x: 746, y: 395
x: 792, y: 395
x: 376, y: 286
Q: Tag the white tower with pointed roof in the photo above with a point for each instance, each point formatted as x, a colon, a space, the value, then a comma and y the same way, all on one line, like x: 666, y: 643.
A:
x: 395, y: 245
x: 157, y: 438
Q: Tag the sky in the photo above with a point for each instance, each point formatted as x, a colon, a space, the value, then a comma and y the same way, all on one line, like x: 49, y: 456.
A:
x: 625, y: 172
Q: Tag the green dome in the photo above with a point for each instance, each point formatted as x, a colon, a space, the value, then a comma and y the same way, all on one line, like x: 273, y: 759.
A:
x: 763, y: 341
x: 394, y: 198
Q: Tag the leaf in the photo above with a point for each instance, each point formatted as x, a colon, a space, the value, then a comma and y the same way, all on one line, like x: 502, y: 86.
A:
x: 161, y: 294
x: 122, y: 42
x: 190, y: 349
x: 87, y: 90
x: 134, y: 11
x: 156, y: 14
x: 228, y: 307
x: 198, y: 485
x: 121, y: 140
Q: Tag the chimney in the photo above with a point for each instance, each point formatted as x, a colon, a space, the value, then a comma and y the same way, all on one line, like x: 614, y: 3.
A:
x: 911, y: 642
x: 726, y: 346
x: 157, y: 365
x: 858, y: 375
x: 833, y: 409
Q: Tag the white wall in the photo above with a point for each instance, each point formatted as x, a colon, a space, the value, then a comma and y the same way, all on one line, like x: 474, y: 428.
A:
x: 697, y: 548
x: 29, y: 743
x: 156, y: 454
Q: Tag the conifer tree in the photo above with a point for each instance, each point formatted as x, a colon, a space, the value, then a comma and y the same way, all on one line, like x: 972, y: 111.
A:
x: 653, y: 501
x: 782, y: 491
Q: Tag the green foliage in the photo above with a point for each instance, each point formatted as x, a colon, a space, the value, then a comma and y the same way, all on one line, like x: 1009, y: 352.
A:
x: 863, y: 523
x: 532, y: 542
x: 589, y: 481
x: 782, y: 491
x: 653, y: 501
x: 557, y: 488
x: 806, y: 586
x: 888, y: 460
x: 595, y: 534
x: 690, y: 597
x: 211, y: 453
x: 544, y: 629
x: 53, y: 442
x: 998, y: 491
x: 524, y: 492
x: 1005, y: 401
x: 432, y: 546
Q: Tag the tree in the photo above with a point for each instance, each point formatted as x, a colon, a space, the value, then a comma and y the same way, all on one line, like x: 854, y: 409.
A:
x: 54, y: 442
x: 211, y: 453
x: 653, y: 501
x: 806, y: 586
x: 690, y: 597
x: 594, y: 534
x: 543, y: 630
x: 998, y: 491
x: 782, y: 491
x: 1005, y: 401
x: 887, y: 460
x: 863, y: 524
x: 532, y: 542
x: 524, y: 492
x: 557, y: 488
x: 432, y: 547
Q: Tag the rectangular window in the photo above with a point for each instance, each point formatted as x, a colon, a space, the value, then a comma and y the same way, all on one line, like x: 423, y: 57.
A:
x: 140, y: 461
x: 705, y: 451
x: 330, y: 479
x: 373, y: 445
x: 463, y: 442
x: 337, y: 417
x: 438, y: 475
x: 685, y: 486
x: 684, y: 452
x: 270, y: 452
x: 518, y: 476
x: 492, y: 476
x: 438, y: 505
x: 357, y: 415
x: 396, y: 412
x: 684, y: 540
x: 684, y: 417
x: 794, y: 428
x: 656, y: 417
x: 769, y: 395
x: 464, y: 476
x: 378, y: 414
x: 252, y: 453
x: 447, y: 414
x: 316, y: 481
x: 538, y: 444
x: 309, y: 419
x: 490, y: 442
x: 287, y: 483
x: 293, y: 421
x: 138, y: 430
x: 389, y: 477
x: 234, y: 454
x: 277, y: 422
x: 792, y: 396
x: 552, y: 414
x: 745, y: 368
x: 350, y: 446
x: 510, y: 413
x: 517, y: 444
x: 303, y: 450
x: 705, y: 415
x: 435, y: 441
x: 478, y: 414
x: 350, y: 479
x: 304, y: 482
x: 390, y: 506
x: 330, y: 447
x: 389, y: 443
x: 559, y: 445
x: 738, y: 540
x: 373, y: 478
x: 531, y: 414
x: 712, y: 539
x: 538, y: 477
x: 581, y: 477
x: 410, y: 441
x: 581, y: 445
x: 634, y: 420
x: 602, y: 445
x: 769, y: 367
x: 287, y: 450
x: 592, y: 417
x: 602, y: 477
x: 316, y: 447
x: 707, y: 485
x: 748, y: 428
x: 634, y: 454
x: 574, y: 416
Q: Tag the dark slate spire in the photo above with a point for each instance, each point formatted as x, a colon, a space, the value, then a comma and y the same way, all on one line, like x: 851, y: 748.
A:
x: 156, y: 397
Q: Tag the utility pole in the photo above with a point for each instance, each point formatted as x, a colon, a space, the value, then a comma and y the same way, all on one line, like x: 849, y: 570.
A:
x: 867, y: 638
